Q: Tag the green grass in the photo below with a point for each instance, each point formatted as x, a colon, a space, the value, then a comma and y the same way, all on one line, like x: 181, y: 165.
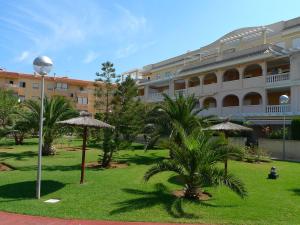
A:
x: 121, y: 194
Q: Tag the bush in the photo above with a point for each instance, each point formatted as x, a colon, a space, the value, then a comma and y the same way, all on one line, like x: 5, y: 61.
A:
x: 278, y: 134
x: 295, y: 128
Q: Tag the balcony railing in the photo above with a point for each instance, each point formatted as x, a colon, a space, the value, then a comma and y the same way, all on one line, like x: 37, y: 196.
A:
x: 278, y: 108
x: 181, y: 92
x: 270, y: 79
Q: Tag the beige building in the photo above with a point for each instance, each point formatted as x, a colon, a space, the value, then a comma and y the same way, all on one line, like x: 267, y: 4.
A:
x: 27, y: 86
x: 241, y: 75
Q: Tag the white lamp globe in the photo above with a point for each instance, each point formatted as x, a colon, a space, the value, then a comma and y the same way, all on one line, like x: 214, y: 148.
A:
x: 42, y: 65
x: 284, y: 99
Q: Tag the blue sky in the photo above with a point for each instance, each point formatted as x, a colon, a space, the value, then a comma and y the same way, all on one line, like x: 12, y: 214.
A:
x: 81, y: 34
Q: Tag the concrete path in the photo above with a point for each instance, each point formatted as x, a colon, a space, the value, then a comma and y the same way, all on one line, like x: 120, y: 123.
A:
x: 17, y: 219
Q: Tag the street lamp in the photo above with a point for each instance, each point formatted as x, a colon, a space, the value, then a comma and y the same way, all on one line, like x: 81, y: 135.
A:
x: 42, y: 65
x: 284, y: 100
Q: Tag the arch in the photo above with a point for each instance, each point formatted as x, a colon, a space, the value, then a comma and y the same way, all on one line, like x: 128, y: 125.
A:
x: 253, y: 70
x: 252, y: 98
x: 193, y: 82
x: 179, y: 84
x: 210, y: 78
x: 230, y: 100
x: 231, y: 74
x: 210, y: 102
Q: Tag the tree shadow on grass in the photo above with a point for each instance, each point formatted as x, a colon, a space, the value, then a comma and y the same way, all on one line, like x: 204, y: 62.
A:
x: 17, y: 156
x: 140, y: 159
x: 26, y: 189
x: 296, y: 191
x: 161, y: 196
x: 52, y: 168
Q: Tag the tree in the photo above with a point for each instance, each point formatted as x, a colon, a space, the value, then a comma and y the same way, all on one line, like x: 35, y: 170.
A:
x: 56, y: 109
x: 295, y: 128
x: 194, y: 160
x: 127, y: 112
x: 104, y: 90
x: 181, y: 110
x: 8, y: 108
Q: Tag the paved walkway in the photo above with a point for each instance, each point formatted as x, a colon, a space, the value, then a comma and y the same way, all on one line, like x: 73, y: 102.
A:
x: 17, y: 219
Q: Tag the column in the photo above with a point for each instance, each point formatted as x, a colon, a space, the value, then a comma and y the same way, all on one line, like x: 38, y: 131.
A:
x: 171, y: 88
x: 146, y: 92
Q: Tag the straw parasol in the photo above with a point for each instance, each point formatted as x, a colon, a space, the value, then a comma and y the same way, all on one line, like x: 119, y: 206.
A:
x: 85, y: 120
x: 227, y: 126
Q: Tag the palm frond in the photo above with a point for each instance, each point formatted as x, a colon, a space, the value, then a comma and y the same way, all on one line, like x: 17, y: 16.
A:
x: 162, y: 167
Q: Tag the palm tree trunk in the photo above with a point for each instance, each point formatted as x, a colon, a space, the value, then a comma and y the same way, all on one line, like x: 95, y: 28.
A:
x: 48, y: 149
x: 225, y: 166
x: 192, y: 192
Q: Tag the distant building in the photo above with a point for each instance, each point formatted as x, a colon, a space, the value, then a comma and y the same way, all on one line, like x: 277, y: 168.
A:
x: 27, y: 86
x: 241, y: 75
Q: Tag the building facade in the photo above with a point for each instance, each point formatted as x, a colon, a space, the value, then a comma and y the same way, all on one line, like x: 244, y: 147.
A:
x: 27, y: 86
x: 240, y: 76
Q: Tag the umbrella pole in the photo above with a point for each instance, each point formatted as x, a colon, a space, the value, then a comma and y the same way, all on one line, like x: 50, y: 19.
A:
x: 83, y: 154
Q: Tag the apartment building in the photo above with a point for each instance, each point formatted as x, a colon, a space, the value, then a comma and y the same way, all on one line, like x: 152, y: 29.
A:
x: 27, y: 86
x: 240, y: 76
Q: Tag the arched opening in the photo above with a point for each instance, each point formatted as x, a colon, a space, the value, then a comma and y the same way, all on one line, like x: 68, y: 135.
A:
x: 210, y: 102
x: 252, y: 98
x: 179, y: 84
x: 230, y: 100
x: 210, y: 78
x: 253, y: 70
x: 194, y: 81
x: 230, y: 75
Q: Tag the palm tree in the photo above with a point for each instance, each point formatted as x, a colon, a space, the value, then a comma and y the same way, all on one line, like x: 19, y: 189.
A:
x: 56, y: 109
x: 181, y: 110
x: 194, y: 160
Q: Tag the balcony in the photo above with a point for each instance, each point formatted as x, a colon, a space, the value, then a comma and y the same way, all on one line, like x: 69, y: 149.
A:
x: 183, y: 92
x: 277, y: 78
x: 278, y: 109
x: 156, y: 96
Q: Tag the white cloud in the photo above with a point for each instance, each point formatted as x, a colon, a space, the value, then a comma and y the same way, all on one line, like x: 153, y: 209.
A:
x: 127, y: 51
x: 23, y: 56
x: 129, y: 21
x: 90, y: 57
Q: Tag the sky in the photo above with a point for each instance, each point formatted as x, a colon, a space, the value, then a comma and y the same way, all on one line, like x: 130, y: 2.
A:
x: 78, y: 35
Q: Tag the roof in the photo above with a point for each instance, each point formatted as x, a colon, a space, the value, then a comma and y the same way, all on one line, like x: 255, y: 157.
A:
x: 49, y: 78
x: 228, y: 126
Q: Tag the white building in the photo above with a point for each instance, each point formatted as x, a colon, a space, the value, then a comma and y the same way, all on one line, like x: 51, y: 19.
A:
x: 241, y: 75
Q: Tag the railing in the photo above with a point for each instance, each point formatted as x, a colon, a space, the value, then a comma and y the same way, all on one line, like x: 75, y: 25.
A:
x: 11, y: 85
x: 277, y: 78
x: 181, y: 92
x: 193, y: 90
x: 156, y: 96
x: 278, y: 108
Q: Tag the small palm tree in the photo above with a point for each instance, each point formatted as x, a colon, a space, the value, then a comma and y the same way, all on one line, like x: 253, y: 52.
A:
x: 181, y: 110
x: 56, y: 109
x: 194, y: 160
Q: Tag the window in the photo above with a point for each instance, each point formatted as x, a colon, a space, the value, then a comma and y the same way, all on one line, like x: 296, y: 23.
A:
x: 11, y: 82
x: 22, y: 84
x: 35, y: 85
x: 296, y: 43
x: 62, y: 86
x: 82, y: 100
x: 21, y: 98
x: 50, y: 87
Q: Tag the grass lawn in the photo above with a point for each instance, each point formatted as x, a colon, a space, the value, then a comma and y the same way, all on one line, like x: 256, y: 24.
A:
x: 121, y: 194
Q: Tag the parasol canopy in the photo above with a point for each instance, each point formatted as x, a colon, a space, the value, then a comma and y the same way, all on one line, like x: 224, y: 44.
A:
x: 228, y: 126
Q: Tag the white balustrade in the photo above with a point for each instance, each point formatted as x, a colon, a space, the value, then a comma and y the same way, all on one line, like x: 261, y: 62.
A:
x: 278, y: 108
x: 181, y: 92
x: 270, y: 79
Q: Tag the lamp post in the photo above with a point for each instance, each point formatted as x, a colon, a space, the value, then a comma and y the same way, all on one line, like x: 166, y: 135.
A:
x: 284, y: 100
x: 42, y: 65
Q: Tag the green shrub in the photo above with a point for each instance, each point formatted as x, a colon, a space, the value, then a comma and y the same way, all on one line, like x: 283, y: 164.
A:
x: 295, y: 128
x: 278, y: 134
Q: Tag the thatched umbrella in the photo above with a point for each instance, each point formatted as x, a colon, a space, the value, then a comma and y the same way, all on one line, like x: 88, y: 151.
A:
x: 85, y: 120
x: 226, y: 127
